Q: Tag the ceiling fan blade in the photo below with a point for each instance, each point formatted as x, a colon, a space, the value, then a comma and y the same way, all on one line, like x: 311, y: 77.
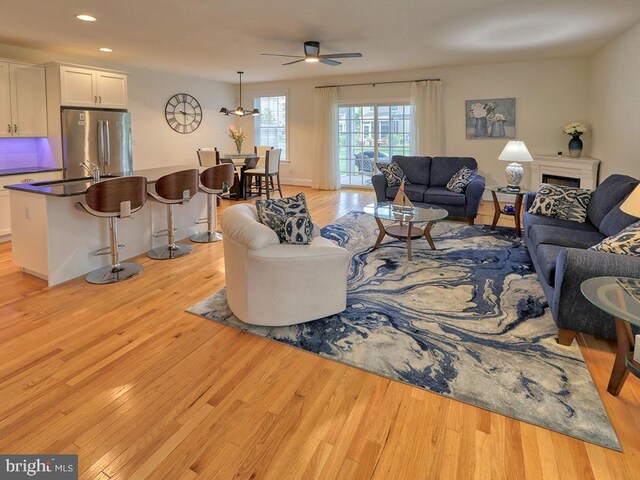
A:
x: 341, y: 55
x: 326, y: 61
x: 295, y: 61
x: 278, y: 55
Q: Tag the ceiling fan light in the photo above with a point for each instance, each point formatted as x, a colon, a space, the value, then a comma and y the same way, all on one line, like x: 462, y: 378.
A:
x: 312, y: 59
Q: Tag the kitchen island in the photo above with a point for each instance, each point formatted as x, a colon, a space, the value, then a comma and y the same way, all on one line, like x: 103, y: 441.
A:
x: 54, y: 239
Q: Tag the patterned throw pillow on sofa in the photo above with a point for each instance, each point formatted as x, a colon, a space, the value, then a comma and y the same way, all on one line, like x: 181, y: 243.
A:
x: 627, y: 242
x: 461, y: 179
x: 566, y: 203
x: 393, y: 174
x: 298, y: 230
x: 274, y: 212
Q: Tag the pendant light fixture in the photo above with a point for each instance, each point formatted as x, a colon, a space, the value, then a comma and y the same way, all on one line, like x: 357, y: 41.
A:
x: 239, y: 110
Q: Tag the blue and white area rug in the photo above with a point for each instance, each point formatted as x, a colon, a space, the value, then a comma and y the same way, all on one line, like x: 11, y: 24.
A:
x: 468, y: 321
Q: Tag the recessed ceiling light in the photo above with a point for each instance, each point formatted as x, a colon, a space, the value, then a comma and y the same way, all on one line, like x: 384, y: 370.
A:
x: 105, y: 49
x: 86, y: 18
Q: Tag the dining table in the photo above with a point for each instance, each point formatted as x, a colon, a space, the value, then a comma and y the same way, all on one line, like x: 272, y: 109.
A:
x: 242, y: 162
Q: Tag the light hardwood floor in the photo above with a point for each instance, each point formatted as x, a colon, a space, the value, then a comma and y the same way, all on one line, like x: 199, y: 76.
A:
x: 124, y: 377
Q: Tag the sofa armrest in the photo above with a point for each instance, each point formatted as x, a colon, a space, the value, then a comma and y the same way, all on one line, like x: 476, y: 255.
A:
x: 380, y: 187
x: 473, y: 194
x: 574, y: 266
x: 528, y: 200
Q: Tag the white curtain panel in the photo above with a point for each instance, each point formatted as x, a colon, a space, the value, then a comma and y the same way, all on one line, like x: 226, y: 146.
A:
x: 326, y: 172
x: 428, y: 118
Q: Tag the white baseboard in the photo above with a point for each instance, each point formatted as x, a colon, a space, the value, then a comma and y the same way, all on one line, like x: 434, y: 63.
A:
x: 299, y: 182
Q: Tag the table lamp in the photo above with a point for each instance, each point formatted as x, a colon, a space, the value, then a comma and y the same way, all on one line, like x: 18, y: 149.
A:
x: 631, y: 205
x: 515, y: 151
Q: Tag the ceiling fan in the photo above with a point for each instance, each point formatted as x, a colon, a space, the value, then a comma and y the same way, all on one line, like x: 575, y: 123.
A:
x: 312, y: 55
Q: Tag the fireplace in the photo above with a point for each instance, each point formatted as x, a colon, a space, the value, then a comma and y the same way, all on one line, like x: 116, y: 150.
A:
x: 560, y: 180
x: 575, y: 172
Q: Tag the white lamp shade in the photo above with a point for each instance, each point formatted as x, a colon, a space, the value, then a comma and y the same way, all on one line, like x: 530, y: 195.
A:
x: 515, y: 151
x: 631, y: 205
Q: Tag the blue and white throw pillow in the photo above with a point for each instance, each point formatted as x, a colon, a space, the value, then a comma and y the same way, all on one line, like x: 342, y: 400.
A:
x: 298, y: 230
x: 459, y: 180
x: 274, y: 212
x: 393, y: 174
x: 566, y: 203
x: 627, y: 242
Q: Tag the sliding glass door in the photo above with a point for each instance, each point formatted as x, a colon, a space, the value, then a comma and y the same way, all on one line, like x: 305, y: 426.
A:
x: 368, y: 134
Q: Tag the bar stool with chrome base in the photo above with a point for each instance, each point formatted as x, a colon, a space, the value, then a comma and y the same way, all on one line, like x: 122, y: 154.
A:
x: 213, y: 181
x: 173, y: 189
x: 112, y: 199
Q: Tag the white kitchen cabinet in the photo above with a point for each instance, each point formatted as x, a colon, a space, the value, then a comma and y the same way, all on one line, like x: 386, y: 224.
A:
x: 23, y: 100
x: 6, y: 125
x: 112, y: 89
x: 28, y: 100
x: 84, y: 87
x: 78, y: 88
x: 5, y: 211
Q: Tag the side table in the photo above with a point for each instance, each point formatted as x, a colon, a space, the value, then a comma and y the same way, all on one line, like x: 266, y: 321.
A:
x: 619, y: 297
x: 498, y: 210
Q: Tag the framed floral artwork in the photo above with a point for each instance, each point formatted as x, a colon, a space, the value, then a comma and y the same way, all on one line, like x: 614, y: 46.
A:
x: 492, y: 118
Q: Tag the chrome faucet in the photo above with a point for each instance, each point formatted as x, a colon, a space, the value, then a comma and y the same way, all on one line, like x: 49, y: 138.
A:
x: 94, y: 171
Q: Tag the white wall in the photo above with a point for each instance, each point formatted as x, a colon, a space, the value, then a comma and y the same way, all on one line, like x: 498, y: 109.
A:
x: 156, y: 144
x: 549, y: 94
x: 615, y: 105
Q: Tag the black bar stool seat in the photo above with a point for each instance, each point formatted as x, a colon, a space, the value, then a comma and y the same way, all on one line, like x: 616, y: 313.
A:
x: 112, y: 199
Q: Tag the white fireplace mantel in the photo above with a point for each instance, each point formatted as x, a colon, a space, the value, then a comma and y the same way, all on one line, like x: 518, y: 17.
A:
x: 584, y: 169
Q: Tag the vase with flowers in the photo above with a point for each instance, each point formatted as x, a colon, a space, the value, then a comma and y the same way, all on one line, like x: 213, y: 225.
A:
x: 575, y: 130
x: 238, y: 136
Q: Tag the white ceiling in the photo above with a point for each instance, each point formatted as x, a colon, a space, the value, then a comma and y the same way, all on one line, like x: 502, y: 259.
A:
x: 215, y: 38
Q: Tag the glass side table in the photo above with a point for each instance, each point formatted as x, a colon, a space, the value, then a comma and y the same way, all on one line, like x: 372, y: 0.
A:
x: 498, y: 210
x: 619, y: 297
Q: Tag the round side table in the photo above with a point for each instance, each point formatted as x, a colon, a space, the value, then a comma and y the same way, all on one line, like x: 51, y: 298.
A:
x: 619, y: 297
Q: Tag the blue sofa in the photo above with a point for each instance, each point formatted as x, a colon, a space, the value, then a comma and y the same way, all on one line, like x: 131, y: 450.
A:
x: 428, y: 177
x: 559, y: 252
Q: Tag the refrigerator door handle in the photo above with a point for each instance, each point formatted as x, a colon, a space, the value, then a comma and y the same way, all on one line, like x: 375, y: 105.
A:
x: 107, y: 159
x: 101, y: 142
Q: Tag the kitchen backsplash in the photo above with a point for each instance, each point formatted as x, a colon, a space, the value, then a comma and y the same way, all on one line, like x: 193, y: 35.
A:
x: 25, y: 152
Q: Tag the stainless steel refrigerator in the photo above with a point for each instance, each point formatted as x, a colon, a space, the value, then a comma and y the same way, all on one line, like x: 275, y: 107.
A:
x: 98, y: 137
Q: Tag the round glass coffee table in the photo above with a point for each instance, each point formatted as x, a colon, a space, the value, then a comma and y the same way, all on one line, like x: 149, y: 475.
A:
x: 619, y: 297
x: 403, y: 227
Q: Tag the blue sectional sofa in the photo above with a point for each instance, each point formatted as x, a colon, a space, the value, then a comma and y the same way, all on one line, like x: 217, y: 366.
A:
x: 428, y: 177
x: 559, y: 252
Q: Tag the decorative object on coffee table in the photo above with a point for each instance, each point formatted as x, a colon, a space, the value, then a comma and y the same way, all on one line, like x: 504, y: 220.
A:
x: 515, y: 151
x: 515, y: 211
x: 619, y: 297
x: 575, y: 129
x: 404, y: 228
x: 402, y: 203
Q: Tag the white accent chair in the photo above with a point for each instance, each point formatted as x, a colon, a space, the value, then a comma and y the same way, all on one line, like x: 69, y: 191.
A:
x: 274, y: 284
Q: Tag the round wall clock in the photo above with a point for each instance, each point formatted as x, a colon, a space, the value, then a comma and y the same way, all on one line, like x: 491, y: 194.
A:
x: 183, y: 113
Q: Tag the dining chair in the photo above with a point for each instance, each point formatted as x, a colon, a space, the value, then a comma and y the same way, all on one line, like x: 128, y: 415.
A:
x: 271, y: 169
x: 208, y: 156
x: 261, y: 152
